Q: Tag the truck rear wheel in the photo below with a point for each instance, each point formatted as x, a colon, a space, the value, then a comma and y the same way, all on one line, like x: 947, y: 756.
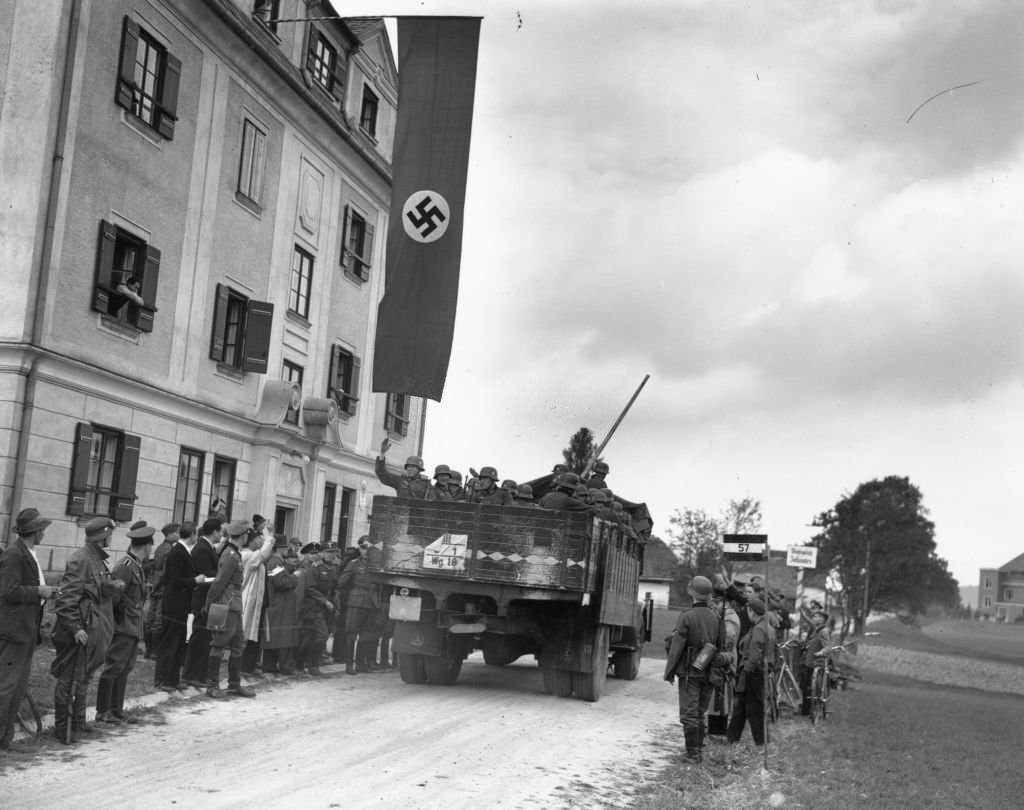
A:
x: 626, y: 664
x: 557, y: 682
x: 442, y: 669
x: 589, y: 685
x: 411, y: 669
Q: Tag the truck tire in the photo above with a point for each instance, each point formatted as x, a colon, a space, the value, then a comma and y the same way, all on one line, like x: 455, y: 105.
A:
x: 589, y: 685
x: 626, y: 664
x: 441, y: 669
x: 411, y: 669
x: 557, y: 682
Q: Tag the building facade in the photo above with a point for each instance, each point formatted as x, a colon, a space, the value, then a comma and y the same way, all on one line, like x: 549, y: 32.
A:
x: 1001, y: 591
x: 191, y: 262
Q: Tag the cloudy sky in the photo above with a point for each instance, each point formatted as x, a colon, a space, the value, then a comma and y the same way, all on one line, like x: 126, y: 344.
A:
x: 729, y: 197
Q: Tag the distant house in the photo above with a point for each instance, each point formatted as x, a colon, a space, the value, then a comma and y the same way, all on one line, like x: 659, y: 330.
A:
x: 659, y: 572
x: 1001, y: 591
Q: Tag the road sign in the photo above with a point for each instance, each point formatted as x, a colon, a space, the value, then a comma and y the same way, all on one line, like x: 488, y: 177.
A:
x: 447, y: 552
x: 744, y: 546
x: 802, y: 556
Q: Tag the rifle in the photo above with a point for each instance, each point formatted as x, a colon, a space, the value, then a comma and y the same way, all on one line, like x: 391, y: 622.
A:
x: 77, y: 663
x: 597, y: 452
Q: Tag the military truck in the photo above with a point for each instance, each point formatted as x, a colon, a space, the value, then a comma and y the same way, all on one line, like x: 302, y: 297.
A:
x: 510, y: 581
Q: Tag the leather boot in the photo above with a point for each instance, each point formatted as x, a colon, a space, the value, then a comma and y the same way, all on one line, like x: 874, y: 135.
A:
x: 365, y: 653
x: 117, y: 700
x: 104, y: 693
x: 62, y: 720
x: 213, y: 677
x: 235, y: 679
x: 78, y: 723
x: 350, y: 654
x: 692, y: 736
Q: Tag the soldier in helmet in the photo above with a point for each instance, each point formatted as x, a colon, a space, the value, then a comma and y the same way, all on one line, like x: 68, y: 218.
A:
x: 458, y: 492
x: 559, y: 469
x: 561, y: 497
x: 524, y: 496
x: 411, y: 484
x: 599, y: 505
x: 511, y: 487
x: 441, y: 489
x: 487, y: 491
x: 596, y: 478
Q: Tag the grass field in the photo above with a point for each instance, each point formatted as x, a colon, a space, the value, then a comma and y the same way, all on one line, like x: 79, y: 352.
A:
x: 892, y: 742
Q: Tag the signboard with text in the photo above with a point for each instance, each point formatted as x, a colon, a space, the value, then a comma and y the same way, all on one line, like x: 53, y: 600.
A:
x: 802, y: 556
x: 446, y: 553
x: 744, y: 546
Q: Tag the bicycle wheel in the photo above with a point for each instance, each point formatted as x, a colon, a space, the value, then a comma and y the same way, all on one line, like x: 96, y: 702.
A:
x: 789, y: 690
x: 818, y: 683
x: 29, y: 718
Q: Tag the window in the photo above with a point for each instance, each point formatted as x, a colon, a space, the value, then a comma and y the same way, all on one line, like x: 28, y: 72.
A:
x: 327, y: 516
x: 104, y: 469
x: 368, y: 112
x: 267, y: 13
x: 356, y: 244
x: 292, y: 372
x: 988, y: 582
x: 343, y: 379
x: 301, y: 280
x: 222, y: 485
x: 241, y: 331
x: 127, y: 275
x: 1008, y: 594
x: 988, y: 601
x: 323, y: 62
x: 189, y: 486
x: 147, y: 80
x: 253, y: 159
x: 284, y: 520
x: 396, y: 414
x: 345, y: 517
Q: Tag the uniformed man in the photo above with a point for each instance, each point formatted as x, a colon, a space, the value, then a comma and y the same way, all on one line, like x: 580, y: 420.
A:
x: 441, y: 488
x: 458, y: 492
x: 362, y: 604
x: 84, y: 628
x: 313, y: 627
x: 153, y: 627
x: 697, y: 637
x: 511, y: 487
x: 561, y: 498
x: 597, y: 475
x: 128, y: 620
x: 524, y: 496
x: 487, y: 491
x: 757, y: 655
x: 411, y: 483
x: 226, y: 589
x: 599, y: 505
x: 23, y: 592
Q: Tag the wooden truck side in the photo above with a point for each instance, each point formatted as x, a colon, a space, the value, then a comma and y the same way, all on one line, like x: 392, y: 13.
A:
x: 509, y: 581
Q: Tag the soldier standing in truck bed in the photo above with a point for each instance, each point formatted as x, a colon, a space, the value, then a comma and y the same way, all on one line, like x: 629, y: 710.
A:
x: 411, y: 484
x: 487, y: 491
x: 441, y: 489
x: 596, y: 479
x: 561, y: 498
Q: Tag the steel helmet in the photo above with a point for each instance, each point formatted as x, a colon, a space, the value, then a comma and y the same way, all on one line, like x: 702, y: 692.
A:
x: 456, y: 476
x: 601, y: 468
x: 581, y: 492
x: 525, y: 492
x: 442, y: 469
x: 560, y: 468
x: 700, y: 587
x: 489, y: 472
x: 414, y: 461
x: 568, y: 481
x: 509, y: 484
x: 597, y: 496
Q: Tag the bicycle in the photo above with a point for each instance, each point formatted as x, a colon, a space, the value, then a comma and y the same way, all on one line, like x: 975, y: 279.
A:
x: 821, y: 681
x: 786, y: 689
x: 29, y: 717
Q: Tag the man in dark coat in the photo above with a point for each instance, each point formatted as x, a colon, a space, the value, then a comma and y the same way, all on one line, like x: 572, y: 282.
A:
x: 23, y: 591
x: 561, y: 498
x: 179, y: 580
x: 128, y: 626
x: 695, y: 629
x: 487, y: 489
x: 226, y: 589
x: 362, y: 605
x: 85, y: 625
x: 154, y: 569
x: 340, y: 652
x: 204, y: 558
x: 757, y: 656
x: 282, y: 612
x: 315, y: 585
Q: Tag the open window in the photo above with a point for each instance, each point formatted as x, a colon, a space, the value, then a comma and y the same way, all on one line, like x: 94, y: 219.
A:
x: 241, y: 331
x: 127, y: 277
x: 147, y: 80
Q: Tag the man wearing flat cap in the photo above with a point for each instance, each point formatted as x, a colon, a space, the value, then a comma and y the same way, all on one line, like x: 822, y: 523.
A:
x: 698, y: 636
x: 128, y: 620
x: 757, y: 656
x: 23, y: 590
x: 226, y: 589
x: 84, y: 628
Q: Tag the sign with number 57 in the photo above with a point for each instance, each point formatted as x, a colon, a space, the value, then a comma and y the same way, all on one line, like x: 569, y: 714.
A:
x: 744, y: 546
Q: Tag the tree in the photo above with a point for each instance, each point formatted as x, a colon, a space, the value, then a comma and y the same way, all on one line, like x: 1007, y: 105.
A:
x: 580, y: 451
x: 741, y: 517
x: 879, y: 544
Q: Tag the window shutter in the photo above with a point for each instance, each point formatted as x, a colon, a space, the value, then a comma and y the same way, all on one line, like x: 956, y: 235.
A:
x: 338, y: 77
x: 220, y: 319
x: 126, y: 69
x: 124, y: 503
x: 364, y: 268
x: 332, y: 373
x: 150, y: 280
x: 102, y: 290
x: 258, y: 322
x: 80, y: 468
x: 312, y: 36
x: 168, y: 112
x: 345, y: 227
x: 352, y: 403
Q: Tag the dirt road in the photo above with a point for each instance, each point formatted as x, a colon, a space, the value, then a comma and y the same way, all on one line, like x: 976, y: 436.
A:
x: 495, y: 739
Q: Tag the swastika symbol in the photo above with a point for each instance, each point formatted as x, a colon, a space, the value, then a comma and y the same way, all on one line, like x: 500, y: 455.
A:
x: 425, y: 216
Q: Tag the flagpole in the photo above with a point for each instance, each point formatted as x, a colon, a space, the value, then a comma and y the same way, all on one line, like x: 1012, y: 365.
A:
x: 597, y: 453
